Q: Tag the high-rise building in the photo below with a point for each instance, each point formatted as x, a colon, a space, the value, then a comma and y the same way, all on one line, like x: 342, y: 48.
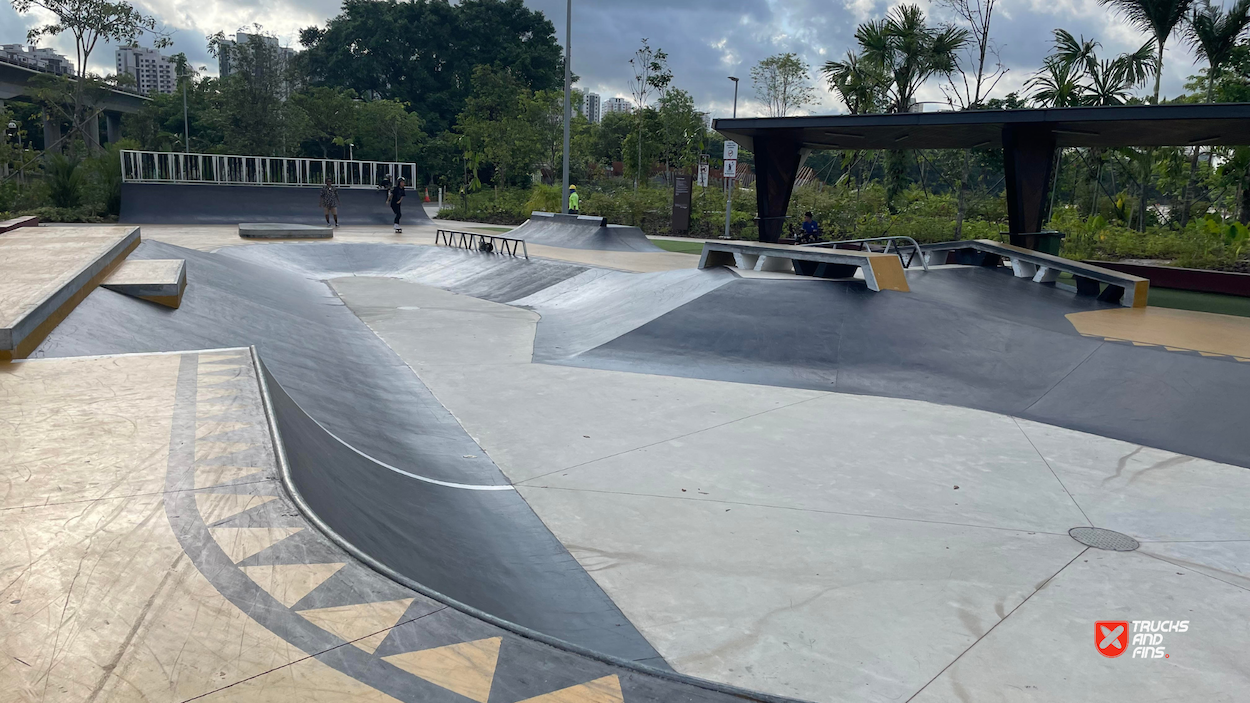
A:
x: 36, y: 58
x: 617, y: 105
x: 590, y: 107
x: 153, y: 72
x: 284, y: 53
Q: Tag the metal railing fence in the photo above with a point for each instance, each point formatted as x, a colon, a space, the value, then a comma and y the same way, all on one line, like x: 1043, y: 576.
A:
x: 225, y: 169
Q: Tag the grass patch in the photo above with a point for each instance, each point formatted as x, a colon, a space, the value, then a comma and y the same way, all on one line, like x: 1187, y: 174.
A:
x: 1200, y: 302
x: 678, y: 245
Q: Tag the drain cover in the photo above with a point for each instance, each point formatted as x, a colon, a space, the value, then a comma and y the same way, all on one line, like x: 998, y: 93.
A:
x: 1099, y: 538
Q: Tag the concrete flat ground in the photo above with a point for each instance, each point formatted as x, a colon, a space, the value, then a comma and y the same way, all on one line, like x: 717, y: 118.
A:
x: 838, y: 547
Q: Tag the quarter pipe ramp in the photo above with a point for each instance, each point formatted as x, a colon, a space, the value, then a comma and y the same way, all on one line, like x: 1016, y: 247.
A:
x: 195, y: 204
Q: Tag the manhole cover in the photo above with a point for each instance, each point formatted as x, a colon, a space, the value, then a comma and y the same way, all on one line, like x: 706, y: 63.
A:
x: 1099, y: 538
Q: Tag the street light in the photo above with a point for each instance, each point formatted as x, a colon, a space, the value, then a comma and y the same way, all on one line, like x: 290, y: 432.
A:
x: 568, y: 96
x: 729, y: 197
x: 351, y: 151
x: 21, y: 152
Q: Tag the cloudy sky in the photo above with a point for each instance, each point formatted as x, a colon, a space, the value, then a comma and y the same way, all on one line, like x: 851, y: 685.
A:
x: 706, y: 40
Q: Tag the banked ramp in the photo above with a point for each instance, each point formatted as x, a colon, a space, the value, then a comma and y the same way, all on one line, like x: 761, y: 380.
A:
x: 581, y: 232
x: 204, y: 204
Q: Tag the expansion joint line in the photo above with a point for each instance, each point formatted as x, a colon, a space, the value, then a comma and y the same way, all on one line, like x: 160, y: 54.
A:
x: 1003, y: 620
x: 1041, y: 456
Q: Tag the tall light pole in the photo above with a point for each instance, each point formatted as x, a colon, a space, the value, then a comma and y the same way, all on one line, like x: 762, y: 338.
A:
x: 568, y: 95
x: 186, y: 123
x: 729, y: 196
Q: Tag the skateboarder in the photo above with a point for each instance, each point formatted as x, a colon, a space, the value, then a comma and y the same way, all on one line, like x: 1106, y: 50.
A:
x: 574, y: 201
x: 397, y: 197
x: 330, y: 200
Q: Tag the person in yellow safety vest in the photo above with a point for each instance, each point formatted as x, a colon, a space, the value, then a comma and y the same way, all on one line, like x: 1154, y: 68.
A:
x: 574, y: 201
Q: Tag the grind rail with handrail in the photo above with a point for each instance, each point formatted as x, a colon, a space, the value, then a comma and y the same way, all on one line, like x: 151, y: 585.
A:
x: 485, y: 243
x: 889, y: 240
x: 225, y: 169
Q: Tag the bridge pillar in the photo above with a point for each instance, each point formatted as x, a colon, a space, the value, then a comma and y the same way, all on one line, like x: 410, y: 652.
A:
x: 113, y: 126
x: 777, y: 162
x: 51, y: 133
x: 93, y: 134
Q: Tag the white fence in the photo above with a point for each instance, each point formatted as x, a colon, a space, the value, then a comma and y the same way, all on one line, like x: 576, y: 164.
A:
x: 218, y: 169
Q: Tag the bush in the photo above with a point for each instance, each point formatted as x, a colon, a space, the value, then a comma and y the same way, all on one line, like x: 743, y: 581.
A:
x: 65, y: 180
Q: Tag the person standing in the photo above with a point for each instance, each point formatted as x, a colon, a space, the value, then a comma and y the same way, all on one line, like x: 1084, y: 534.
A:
x: 575, y: 201
x: 397, y: 197
x: 330, y: 200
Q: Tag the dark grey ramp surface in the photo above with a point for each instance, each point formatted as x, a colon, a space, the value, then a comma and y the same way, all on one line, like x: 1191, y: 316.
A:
x: 488, y: 276
x: 482, y: 548
x: 572, y: 232
x: 353, y: 383
x: 193, y: 204
x: 971, y: 337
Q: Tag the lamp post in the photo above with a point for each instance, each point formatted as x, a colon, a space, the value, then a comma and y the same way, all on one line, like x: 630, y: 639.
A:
x: 21, y: 152
x: 729, y: 188
x: 568, y: 96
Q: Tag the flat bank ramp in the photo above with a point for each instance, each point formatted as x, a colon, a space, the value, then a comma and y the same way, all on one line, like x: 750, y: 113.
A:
x: 403, y: 494
x: 581, y: 232
x: 197, y: 204
x: 972, y: 337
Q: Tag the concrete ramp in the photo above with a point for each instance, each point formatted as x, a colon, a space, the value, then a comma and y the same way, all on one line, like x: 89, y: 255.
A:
x: 197, y: 204
x: 581, y: 232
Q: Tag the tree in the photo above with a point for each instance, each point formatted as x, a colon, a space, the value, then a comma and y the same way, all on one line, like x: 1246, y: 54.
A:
x: 331, y: 118
x: 858, y: 83
x: 251, y: 113
x: 1156, y: 17
x: 651, y: 76
x: 978, y: 14
x: 90, y: 21
x: 423, y: 52
x: 909, y: 52
x: 783, y: 84
x: 681, y: 129
x: 496, y: 122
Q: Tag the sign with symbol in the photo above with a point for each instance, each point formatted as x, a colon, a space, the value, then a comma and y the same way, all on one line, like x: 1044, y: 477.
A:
x: 703, y: 172
x: 1111, y: 638
x: 731, y: 151
x: 731, y: 169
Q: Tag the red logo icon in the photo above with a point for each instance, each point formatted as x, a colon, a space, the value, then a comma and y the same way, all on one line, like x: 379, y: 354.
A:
x: 1111, y: 638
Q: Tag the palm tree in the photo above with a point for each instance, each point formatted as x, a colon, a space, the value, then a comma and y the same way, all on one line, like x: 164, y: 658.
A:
x: 1156, y: 17
x: 1111, y: 81
x: 1058, y: 84
x: 1213, y: 33
x: 909, y: 52
x: 858, y: 83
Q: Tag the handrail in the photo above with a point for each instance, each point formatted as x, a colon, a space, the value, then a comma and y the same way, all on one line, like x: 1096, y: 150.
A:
x: 231, y: 169
x: 476, y: 241
x: 890, y: 239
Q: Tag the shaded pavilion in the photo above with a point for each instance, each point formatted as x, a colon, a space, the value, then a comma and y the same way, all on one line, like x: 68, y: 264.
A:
x: 1028, y: 139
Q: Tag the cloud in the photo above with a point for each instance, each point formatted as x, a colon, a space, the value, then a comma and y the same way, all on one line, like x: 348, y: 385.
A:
x: 706, y: 40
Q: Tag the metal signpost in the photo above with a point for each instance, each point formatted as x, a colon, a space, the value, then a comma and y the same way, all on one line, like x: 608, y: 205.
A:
x: 731, y: 173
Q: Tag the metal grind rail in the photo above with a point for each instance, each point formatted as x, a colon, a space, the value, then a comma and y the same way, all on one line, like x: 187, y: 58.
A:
x: 485, y: 243
x: 891, y: 240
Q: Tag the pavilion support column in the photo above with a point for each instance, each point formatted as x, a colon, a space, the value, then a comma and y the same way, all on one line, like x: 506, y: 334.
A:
x: 777, y: 162
x: 1028, y: 163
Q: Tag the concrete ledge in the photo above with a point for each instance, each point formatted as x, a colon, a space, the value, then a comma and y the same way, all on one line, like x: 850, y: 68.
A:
x: 160, y: 281
x: 278, y: 230
x: 27, y: 221
x: 46, y: 272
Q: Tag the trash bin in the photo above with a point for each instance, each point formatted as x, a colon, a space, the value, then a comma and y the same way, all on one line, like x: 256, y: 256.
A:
x: 1046, y: 242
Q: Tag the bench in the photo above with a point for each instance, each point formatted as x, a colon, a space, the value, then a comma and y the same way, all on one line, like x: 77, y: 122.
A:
x: 881, y: 271
x: 485, y: 243
x: 1123, y: 288
x: 27, y: 221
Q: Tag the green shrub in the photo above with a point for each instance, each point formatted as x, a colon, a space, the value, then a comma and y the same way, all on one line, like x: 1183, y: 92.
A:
x: 65, y: 180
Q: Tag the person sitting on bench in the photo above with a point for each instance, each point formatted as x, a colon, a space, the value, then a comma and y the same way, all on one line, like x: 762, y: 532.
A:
x: 811, y: 228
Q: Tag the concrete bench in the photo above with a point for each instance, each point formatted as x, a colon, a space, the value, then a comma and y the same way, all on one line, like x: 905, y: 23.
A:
x: 27, y: 221
x: 1123, y: 288
x: 881, y: 271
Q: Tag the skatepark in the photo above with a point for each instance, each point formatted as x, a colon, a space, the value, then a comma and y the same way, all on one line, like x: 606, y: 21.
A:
x: 373, y: 467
